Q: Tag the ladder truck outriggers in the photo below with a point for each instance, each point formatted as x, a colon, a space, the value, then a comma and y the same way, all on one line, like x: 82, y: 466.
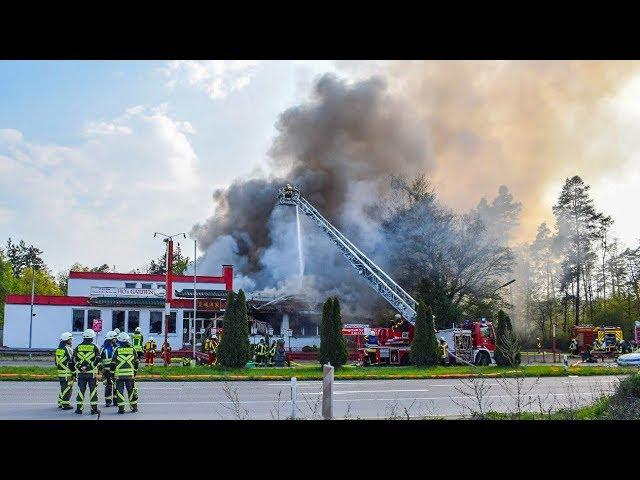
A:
x: 472, y: 342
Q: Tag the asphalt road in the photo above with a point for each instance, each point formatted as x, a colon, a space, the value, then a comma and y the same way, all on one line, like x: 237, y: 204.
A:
x: 352, y: 399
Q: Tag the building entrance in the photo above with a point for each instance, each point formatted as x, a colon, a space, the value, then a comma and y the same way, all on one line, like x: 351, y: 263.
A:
x: 205, y: 323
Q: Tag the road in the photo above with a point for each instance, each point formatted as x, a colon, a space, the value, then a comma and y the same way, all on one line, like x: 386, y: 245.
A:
x: 352, y: 399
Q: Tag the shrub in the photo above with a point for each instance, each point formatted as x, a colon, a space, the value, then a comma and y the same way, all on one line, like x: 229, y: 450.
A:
x: 234, y: 350
x: 333, y: 347
x: 424, y: 346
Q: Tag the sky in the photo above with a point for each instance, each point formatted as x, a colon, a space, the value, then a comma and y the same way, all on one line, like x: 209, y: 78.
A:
x: 97, y: 156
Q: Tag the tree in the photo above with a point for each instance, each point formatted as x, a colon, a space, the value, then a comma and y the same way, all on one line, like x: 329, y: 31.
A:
x: 44, y: 283
x: 577, y: 224
x: 507, y: 352
x: 234, y: 348
x: 333, y: 347
x: 21, y: 256
x: 500, y: 217
x: 63, y: 277
x: 424, y: 346
x: 180, y: 263
x: 7, y: 282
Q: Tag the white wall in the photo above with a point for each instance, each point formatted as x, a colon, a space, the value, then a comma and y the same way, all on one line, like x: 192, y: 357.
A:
x: 51, y: 320
x: 81, y: 287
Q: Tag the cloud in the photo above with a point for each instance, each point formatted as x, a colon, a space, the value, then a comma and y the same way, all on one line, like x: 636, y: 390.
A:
x: 100, y: 201
x: 217, y: 78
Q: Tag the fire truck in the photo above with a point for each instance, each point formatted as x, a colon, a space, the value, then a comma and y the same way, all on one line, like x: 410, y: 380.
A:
x: 471, y: 342
x: 585, y: 335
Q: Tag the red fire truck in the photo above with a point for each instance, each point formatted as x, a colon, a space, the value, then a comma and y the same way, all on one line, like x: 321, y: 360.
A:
x: 471, y: 342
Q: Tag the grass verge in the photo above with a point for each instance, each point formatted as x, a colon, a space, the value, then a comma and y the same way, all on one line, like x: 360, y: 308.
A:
x: 179, y: 373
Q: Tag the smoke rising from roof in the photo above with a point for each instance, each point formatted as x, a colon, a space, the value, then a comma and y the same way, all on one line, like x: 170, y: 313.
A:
x: 339, y: 149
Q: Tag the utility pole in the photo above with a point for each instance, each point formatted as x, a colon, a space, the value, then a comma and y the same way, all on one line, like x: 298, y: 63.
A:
x: 33, y: 289
x: 195, y: 269
x: 168, y: 239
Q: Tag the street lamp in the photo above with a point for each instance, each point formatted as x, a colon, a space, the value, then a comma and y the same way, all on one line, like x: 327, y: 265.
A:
x: 33, y: 285
x: 168, y: 239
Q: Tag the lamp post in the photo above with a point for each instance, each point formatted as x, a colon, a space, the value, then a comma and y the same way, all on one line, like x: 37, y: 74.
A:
x: 33, y: 289
x: 168, y: 239
x: 195, y: 269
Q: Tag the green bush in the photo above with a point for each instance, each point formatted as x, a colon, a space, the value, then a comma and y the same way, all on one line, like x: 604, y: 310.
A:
x: 507, y: 352
x: 333, y: 346
x: 234, y: 350
x: 424, y: 346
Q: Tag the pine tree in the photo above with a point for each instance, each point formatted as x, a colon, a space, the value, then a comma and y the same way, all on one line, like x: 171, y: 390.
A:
x: 333, y: 348
x: 341, y: 353
x: 424, y: 346
x: 233, y: 351
x: 507, y: 352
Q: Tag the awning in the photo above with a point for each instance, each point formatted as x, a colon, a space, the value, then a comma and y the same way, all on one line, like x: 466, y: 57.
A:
x: 127, y: 302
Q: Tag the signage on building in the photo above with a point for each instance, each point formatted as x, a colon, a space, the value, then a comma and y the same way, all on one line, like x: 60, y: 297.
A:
x: 354, y: 329
x: 97, y: 325
x: 208, y: 304
x: 200, y: 293
x: 123, y: 292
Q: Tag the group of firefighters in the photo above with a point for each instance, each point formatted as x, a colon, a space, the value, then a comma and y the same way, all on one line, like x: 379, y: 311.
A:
x: 116, y: 362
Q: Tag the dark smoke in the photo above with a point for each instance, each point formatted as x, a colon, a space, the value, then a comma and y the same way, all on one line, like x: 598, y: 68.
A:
x: 339, y: 148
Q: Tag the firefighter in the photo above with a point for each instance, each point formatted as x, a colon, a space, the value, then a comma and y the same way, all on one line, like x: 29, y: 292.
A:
x: 212, y: 350
x: 370, y: 342
x: 261, y: 352
x: 538, y: 344
x: 124, y: 365
x: 573, y: 347
x: 444, y: 351
x: 137, y: 341
x: 64, y: 364
x: 272, y: 352
x: 150, y: 349
x: 116, y: 331
x: 166, y: 353
x: 106, y: 354
x: 86, y: 358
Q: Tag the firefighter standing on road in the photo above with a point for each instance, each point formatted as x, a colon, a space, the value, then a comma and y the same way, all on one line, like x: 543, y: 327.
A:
x: 444, y: 351
x: 137, y: 341
x: 64, y: 364
x: 150, y: 349
x: 86, y: 358
x: 124, y: 365
x: 106, y: 353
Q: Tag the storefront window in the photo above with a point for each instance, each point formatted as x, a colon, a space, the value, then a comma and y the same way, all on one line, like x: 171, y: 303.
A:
x: 145, y: 285
x: 134, y: 321
x: 129, y: 285
x: 78, y: 321
x: 172, y: 322
x: 155, y: 322
x: 117, y: 320
x: 93, y: 315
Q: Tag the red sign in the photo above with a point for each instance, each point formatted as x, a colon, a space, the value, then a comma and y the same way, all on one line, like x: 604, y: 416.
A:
x: 353, y: 331
x: 208, y: 304
x: 97, y: 325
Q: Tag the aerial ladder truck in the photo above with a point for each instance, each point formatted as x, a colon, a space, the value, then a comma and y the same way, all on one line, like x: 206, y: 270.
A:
x: 473, y: 343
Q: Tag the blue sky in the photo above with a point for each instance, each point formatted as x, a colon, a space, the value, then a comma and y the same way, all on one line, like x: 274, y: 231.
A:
x: 79, y: 138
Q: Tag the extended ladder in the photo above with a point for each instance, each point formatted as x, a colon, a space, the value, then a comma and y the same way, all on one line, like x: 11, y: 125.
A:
x: 374, y: 275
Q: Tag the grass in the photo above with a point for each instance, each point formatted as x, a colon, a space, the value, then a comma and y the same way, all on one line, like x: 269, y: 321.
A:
x: 594, y: 411
x: 314, y: 372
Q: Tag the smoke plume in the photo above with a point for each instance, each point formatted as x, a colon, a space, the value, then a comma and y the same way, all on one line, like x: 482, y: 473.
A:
x: 339, y: 149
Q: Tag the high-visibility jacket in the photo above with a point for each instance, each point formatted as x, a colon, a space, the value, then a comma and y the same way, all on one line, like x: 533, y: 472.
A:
x: 272, y: 349
x: 125, y: 362
x: 64, y: 360
x: 106, y: 353
x: 150, y: 346
x: 261, y: 350
x: 136, y: 342
x: 214, y: 345
x: 444, y: 350
x: 207, y: 345
x: 86, y: 357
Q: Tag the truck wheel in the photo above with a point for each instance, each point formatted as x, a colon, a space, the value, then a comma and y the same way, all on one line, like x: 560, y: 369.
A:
x: 483, y: 359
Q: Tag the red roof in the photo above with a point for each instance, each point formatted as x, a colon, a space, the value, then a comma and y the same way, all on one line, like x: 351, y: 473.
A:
x: 144, y: 277
x: 47, y: 300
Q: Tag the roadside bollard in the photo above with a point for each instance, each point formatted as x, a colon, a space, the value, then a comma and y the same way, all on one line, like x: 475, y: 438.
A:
x: 327, y: 392
x: 294, y: 394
